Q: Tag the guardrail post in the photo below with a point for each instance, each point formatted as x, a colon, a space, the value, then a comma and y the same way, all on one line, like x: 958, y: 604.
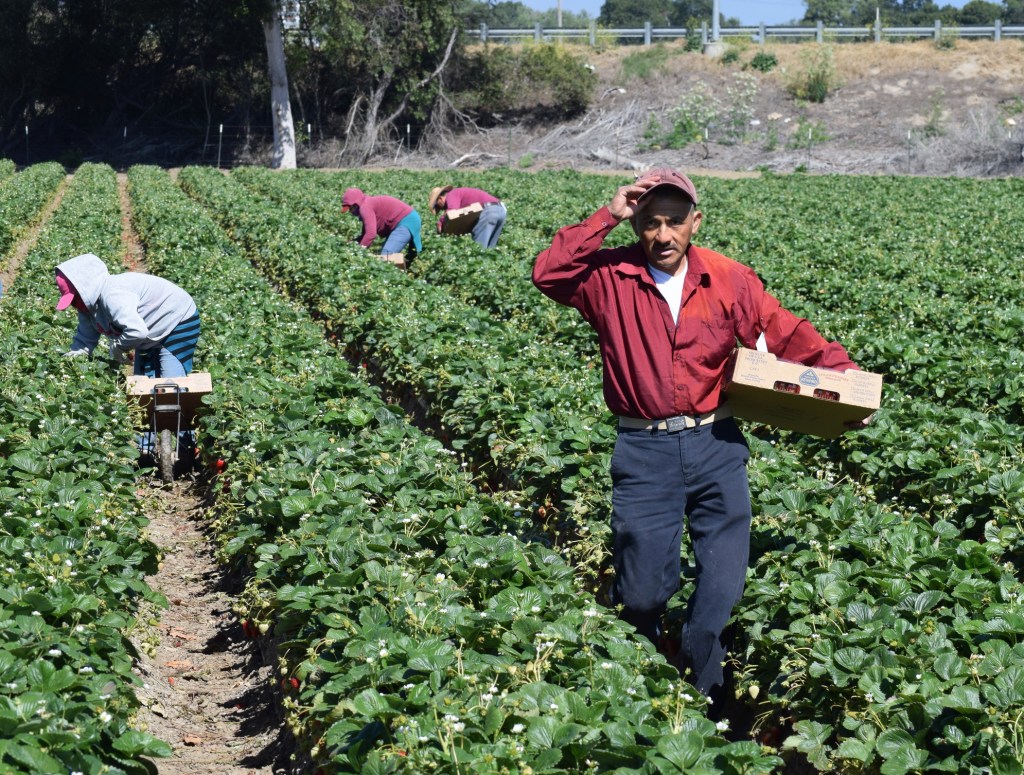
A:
x: 997, y: 32
x: 703, y: 33
x: 593, y: 34
x: 761, y: 38
x: 647, y: 33
x: 536, y: 33
x: 483, y: 32
x: 819, y: 34
x: 878, y: 32
x: 938, y: 30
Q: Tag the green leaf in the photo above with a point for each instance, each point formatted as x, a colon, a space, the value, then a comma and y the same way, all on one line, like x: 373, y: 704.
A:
x: 851, y: 659
x: 1007, y: 689
x: 431, y: 655
x: 38, y: 761
x: 892, y: 741
x: 964, y: 698
x: 493, y: 720
x: 294, y: 505
x: 852, y: 748
x: 28, y: 462
x: 683, y: 749
x: 923, y: 601
x: 135, y: 743
x: 541, y: 732
x: 949, y: 666
x: 370, y: 703
x: 357, y: 416
x: 903, y: 760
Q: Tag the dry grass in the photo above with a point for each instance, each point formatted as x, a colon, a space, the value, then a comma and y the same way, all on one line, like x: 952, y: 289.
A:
x: 899, y: 108
x: 1001, y: 60
x: 1004, y: 59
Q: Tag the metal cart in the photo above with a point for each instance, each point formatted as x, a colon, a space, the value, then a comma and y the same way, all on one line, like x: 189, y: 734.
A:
x: 171, y: 404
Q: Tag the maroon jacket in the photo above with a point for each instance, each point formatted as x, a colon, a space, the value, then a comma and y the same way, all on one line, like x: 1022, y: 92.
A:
x: 379, y: 214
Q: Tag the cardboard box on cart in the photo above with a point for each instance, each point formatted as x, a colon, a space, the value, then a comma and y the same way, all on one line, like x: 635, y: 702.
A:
x: 462, y: 220
x: 795, y: 397
x: 192, y: 389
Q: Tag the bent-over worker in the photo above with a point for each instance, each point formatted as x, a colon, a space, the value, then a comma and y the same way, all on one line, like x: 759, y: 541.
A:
x: 140, y: 312
x: 384, y: 216
x: 488, y: 225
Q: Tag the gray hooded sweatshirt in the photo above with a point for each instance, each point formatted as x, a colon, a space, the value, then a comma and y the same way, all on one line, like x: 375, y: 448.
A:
x: 137, y: 311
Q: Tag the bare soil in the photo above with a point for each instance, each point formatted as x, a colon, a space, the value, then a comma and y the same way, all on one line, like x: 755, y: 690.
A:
x: 134, y: 257
x: 897, y: 108
x: 206, y: 691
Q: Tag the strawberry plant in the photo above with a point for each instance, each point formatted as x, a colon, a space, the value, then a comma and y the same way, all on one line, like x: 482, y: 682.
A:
x: 946, y: 494
x: 73, y: 556
x: 22, y: 198
x: 414, y: 582
x: 422, y: 626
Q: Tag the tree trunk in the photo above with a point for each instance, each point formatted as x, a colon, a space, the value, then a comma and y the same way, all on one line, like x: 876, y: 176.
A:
x: 283, y: 157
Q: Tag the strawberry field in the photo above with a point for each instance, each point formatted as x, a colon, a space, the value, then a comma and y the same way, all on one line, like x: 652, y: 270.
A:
x: 415, y: 485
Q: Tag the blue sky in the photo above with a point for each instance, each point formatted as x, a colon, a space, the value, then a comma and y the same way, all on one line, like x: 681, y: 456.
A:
x: 747, y: 11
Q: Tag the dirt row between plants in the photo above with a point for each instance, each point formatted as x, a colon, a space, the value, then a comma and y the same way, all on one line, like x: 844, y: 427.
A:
x: 28, y: 240
x: 205, y: 690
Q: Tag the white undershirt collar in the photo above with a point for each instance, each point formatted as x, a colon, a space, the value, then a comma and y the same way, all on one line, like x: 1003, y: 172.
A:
x: 670, y: 287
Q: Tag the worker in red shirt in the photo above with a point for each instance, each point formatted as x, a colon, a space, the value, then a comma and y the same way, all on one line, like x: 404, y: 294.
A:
x: 668, y: 314
x: 488, y: 226
x: 384, y: 216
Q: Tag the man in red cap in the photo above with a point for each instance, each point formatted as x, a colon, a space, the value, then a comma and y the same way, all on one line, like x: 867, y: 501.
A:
x: 668, y: 315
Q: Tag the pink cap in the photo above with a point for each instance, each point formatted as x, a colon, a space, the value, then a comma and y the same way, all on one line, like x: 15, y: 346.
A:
x: 671, y: 178
x: 67, y: 291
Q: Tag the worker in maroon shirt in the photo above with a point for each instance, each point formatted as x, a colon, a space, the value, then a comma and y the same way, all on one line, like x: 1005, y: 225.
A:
x: 488, y: 226
x: 668, y: 315
x: 384, y: 216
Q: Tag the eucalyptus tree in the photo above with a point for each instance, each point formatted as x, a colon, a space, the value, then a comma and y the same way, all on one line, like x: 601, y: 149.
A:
x: 283, y: 155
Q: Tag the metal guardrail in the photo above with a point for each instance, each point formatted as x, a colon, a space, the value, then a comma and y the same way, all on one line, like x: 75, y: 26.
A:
x: 760, y: 33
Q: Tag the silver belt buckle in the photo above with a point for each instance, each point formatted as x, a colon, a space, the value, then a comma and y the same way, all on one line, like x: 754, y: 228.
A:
x: 678, y: 423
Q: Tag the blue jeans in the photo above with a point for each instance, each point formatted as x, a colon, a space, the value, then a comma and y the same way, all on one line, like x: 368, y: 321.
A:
x: 489, y: 225
x: 658, y: 478
x: 408, y: 230
x: 173, y: 358
x: 169, y: 365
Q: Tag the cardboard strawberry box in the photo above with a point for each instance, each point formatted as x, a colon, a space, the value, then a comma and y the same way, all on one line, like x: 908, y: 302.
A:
x: 462, y: 220
x: 191, y: 390
x: 801, y: 398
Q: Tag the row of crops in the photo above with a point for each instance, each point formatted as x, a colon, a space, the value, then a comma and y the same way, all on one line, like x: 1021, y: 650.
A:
x: 73, y: 551
x: 420, y: 497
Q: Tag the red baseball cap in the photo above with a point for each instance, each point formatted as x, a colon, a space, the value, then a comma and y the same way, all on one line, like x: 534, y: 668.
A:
x: 67, y: 291
x: 667, y: 177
